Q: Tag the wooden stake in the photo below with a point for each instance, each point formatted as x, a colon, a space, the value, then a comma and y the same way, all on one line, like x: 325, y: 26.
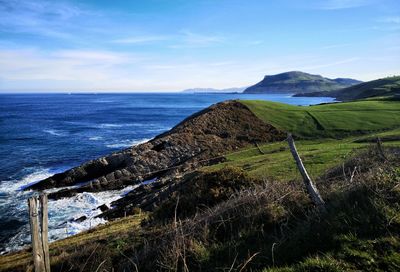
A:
x: 44, y: 230
x: 311, y: 188
x: 259, y: 149
x: 37, y: 249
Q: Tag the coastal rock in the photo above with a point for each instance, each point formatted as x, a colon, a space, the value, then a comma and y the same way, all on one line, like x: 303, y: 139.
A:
x: 199, y: 140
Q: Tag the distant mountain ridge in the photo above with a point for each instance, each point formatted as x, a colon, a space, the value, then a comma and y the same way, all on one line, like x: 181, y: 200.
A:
x: 299, y: 82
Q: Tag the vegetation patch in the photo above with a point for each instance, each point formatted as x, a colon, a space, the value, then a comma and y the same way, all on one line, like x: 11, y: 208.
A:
x: 336, y: 120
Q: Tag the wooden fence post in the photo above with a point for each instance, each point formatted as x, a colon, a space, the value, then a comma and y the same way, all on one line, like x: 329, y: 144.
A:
x: 39, y: 232
x: 311, y: 188
x: 37, y: 249
x: 45, y: 230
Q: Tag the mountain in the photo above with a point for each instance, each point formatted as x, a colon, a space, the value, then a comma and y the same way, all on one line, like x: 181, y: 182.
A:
x: 383, y: 88
x: 299, y: 82
x: 212, y: 90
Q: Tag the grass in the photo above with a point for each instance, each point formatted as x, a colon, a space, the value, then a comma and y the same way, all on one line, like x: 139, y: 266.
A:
x: 273, y: 227
x: 336, y: 120
x: 318, y: 156
x: 359, y: 231
x: 113, y: 236
x: 381, y: 88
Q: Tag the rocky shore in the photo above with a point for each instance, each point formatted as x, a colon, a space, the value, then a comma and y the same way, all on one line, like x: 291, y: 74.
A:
x: 199, y: 140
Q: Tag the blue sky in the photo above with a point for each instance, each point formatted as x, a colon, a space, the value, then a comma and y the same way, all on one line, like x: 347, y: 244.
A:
x: 159, y: 45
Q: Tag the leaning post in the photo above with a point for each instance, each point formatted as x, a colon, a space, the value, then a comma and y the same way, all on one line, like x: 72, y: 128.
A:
x: 37, y: 249
x: 38, y: 219
x: 45, y: 230
x: 310, y: 186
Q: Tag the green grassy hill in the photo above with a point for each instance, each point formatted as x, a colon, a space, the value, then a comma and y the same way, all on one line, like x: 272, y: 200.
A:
x: 385, y: 88
x: 329, y: 120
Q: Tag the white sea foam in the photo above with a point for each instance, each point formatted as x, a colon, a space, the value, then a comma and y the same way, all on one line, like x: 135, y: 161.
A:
x: 145, y: 126
x: 110, y: 125
x: 95, y: 138
x: 103, y: 101
x: 62, y: 212
x: 10, y: 186
x: 54, y: 132
x: 127, y: 143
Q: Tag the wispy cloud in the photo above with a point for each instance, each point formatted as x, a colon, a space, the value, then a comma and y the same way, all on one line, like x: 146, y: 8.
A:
x: 343, y: 4
x: 141, y: 39
x: 189, y: 39
x: 59, y: 65
x: 329, y: 64
x: 45, y: 18
x: 182, y: 39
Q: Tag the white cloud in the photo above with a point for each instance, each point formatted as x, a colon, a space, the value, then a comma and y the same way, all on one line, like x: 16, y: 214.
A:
x: 141, y: 39
x: 64, y: 65
x: 46, y: 18
x: 189, y: 39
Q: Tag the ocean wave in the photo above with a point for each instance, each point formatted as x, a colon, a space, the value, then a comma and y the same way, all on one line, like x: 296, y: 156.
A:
x: 95, y: 138
x: 144, y: 126
x: 9, y: 186
x: 110, y: 125
x: 127, y: 143
x: 54, y: 132
x: 103, y: 101
x: 62, y: 213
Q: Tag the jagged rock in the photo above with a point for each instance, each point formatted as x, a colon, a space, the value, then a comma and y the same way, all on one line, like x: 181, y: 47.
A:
x: 198, y: 140
x: 80, y: 219
x: 103, y: 208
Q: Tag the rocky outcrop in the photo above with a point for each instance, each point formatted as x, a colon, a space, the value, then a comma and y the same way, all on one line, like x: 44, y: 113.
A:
x: 199, y: 140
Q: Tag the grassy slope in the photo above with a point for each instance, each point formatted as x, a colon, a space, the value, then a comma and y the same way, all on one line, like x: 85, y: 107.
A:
x: 372, y: 118
x: 385, y: 87
x: 113, y: 236
x: 318, y: 156
x: 329, y: 120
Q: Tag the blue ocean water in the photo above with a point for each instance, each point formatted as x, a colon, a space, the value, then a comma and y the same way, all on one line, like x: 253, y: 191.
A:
x: 42, y: 134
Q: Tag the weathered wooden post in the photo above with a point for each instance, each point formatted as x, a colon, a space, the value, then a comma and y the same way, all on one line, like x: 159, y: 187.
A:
x: 39, y: 233
x: 37, y: 249
x: 45, y: 230
x: 310, y: 186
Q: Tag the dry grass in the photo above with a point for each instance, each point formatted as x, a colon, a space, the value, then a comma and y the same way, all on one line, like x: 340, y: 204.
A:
x: 71, y: 252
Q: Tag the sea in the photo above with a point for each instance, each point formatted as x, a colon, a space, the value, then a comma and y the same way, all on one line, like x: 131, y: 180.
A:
x: 46, y: 133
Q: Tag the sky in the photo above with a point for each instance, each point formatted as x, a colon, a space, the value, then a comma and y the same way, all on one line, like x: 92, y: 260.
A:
x: 160, y: 45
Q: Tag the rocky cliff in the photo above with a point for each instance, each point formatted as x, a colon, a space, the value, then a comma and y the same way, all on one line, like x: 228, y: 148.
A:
x: 199, y: 140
